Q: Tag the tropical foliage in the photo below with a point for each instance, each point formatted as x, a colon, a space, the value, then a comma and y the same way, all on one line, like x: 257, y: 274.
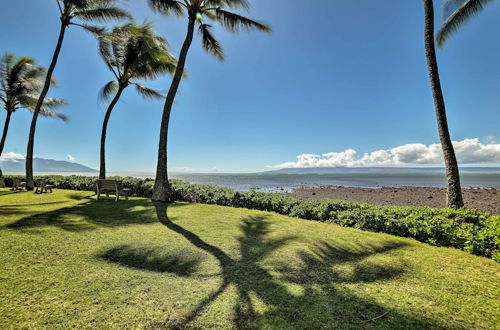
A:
x: 457, y: 13
x: 132, y: 53
x: 454, y: 193
x: 20, y: 83
x: 198, y: 12
x: 77, y: 13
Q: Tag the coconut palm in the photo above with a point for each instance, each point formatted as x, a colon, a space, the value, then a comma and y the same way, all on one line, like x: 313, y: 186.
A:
x: 132, y: 53
x: 21, y: 81
x: 458, y: 12
x: 197, y: 12
x: 73, y: 13
x: 454, y: 195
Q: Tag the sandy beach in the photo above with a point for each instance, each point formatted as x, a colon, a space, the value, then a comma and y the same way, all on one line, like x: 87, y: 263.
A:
x: 484, y: 200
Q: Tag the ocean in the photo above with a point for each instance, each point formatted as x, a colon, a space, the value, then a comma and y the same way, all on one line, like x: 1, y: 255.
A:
x: 287, y: 182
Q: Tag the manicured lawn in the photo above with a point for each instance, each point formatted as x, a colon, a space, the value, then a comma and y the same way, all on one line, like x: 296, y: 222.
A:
x: 68, y: 261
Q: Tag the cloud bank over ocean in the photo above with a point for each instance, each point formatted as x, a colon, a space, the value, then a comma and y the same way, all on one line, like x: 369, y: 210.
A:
x: 469, y: 151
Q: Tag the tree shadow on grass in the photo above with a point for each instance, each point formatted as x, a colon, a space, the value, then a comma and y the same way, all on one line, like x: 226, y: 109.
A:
x: 89, y: 214
x: 9, y: 192
x: 320, y: 304
x: 152, y: 259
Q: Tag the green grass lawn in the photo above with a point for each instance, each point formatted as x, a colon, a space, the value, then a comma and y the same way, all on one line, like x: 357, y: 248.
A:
x: 69, y: 261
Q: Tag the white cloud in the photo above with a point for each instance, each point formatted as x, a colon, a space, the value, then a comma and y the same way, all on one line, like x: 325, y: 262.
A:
x: 70, y: 158
x: 11, y: 156
x: 469, y: 151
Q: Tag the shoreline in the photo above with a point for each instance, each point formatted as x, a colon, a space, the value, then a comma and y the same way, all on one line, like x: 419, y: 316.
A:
x: 482, y: 199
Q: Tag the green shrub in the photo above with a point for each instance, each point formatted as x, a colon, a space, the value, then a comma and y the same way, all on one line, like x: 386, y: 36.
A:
x: 469, y: 230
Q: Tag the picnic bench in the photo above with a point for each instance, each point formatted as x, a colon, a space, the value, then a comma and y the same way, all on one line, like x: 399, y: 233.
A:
x: 113, y: 187
x: 42, y: 186
x: 17, y: 184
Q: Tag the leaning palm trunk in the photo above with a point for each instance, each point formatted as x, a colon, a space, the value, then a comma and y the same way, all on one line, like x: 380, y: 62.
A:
x: 454, y: 195
x: 36, y: 111
x: 2, y: 142
x: 162, y: 191
x: 102, y: 169
x: 4, y: 134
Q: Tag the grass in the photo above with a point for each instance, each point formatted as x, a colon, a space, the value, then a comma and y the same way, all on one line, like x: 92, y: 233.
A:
x: 69, y: 261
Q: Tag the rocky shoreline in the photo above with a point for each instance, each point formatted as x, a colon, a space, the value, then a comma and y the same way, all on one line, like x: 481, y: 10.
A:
x: 482, y: 199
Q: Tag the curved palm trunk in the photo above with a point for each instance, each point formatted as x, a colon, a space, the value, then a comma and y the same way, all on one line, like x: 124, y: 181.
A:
x: 43, y: 94
x: 102, y: 169
x: 454, y: 197
x: 2, y: 142
x: 5, y: 130
x: 162, y: 191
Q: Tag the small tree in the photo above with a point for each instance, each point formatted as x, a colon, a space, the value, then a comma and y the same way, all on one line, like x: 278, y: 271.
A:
x: 131, y: 53
x: 76, y: 13
x: 21, y: 81
x: 197, y: 12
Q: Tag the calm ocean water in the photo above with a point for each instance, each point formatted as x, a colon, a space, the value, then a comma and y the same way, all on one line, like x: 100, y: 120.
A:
x: 279, y: 182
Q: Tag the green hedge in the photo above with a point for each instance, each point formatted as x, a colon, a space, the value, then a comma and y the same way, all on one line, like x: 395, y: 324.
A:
x: 469, y: 230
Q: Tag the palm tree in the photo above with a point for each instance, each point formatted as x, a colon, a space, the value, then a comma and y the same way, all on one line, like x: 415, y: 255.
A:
x: 131, y: 52
x: 70, y: 10
x: 197, y: 12
x: 461, y: 11
x: 20, y: 83
x: 454, y: 195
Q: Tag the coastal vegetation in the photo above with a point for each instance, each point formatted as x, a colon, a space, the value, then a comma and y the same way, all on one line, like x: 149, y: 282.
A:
x: 73, y: 13
x: 132, y: 53
x: 21, y: 80
x: 197, y: 12
x: 469, y: 230
x: 454, y: 192
x: 70, y: 261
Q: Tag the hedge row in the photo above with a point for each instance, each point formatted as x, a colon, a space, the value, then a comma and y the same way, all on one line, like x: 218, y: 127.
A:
x: 469, y: 230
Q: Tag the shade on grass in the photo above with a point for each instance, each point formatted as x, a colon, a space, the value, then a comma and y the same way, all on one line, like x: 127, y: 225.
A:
x: 69, y: 260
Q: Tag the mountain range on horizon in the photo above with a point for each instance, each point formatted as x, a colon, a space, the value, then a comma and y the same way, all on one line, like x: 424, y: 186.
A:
x: 15, y: 166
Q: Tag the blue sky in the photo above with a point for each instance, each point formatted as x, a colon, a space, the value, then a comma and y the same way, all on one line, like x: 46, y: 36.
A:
x: 333, y: 76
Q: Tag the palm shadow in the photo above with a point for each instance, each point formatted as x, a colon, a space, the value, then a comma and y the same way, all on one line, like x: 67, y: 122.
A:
x: 89, y: 214
x: 320, y: 304
x: 152, y: 259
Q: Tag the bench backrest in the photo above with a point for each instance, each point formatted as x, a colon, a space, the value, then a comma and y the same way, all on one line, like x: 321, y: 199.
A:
x: 108, y: 184
x: 41, y: 182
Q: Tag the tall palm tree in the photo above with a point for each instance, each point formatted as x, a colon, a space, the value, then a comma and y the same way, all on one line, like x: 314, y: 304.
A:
x: 458, y: 12
x: 454, y: 194
x: 21, y: 81
x: 197, y: 12
x: 76, y: 13
x: 132, y: 53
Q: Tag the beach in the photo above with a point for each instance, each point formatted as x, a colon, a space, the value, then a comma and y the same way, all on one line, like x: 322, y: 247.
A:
x: 481, y: 199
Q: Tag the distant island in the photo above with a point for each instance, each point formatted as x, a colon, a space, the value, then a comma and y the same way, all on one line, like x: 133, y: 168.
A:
x: 11, y: 166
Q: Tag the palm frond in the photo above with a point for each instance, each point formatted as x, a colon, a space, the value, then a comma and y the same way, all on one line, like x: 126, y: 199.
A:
x: 52, y: 114
x: 167, y: 7
x: 148, y: 93
x: 233, y: 4
x: 102, y: 14
x: 210, y: 44
x: 459, y: 17
x: 234, y: 22
x: 108, y: 89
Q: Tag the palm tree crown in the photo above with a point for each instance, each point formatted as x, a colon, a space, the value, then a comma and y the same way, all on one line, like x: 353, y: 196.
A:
x: 210, y: 10
x: 457, y: 13
x: 90, y: 11
x: 21, y: 81
x: 134, y: 53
